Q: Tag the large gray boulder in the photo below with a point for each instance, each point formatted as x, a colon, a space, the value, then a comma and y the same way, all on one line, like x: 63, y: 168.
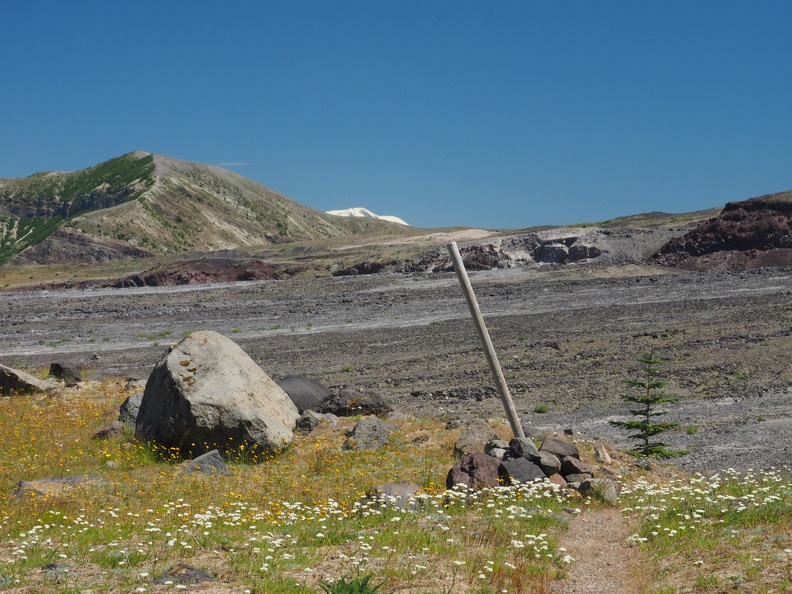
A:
x: 206, y: 393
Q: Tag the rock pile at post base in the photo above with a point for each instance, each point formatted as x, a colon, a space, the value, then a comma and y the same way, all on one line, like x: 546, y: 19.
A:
x: 520, y: 461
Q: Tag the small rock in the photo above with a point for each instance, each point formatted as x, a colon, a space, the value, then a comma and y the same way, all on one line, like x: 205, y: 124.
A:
x: 549, y: 463
x: 559, y: 447
x: 606, y: 488
x: 521, y: 470
x: 65, y: 372
x: 108, y: 431
x: 576, y: 478
x: 209, y: 463
x: 557, y: 479
x: 128, y: 411
x: 14, y: 381
x: 370, y: 433
x: 184, y: 574
x: 499, y: 453
x: 397, y: 495
x: 474, y: 438
x: 522, y: 447
x: 601, y: 454
x: 50, y: 487
x: 354, y: 401
x: 496, y: 443
x: 572, y: 465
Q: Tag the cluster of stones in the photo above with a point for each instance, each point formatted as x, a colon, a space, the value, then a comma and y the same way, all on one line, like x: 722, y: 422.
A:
x: 519, y: 460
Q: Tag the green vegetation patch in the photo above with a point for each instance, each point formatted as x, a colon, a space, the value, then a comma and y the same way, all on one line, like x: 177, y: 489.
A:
x: 40, y: 204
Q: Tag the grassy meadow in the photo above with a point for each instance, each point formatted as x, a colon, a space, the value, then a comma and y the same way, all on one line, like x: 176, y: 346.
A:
x: 293, y: 522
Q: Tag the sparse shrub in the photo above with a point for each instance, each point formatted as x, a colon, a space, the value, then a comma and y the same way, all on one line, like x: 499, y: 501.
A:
x: 647, y: 399
x: 541, y: 409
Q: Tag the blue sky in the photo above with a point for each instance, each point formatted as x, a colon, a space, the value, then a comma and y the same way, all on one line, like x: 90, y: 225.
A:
x: 491, y: 114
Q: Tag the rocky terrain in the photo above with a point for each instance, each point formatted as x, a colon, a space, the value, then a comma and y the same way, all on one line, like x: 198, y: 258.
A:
x: 566, y: 339
x: 569, y: 311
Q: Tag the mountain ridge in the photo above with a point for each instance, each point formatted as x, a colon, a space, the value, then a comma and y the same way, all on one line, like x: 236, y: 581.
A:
x: 142, y: 204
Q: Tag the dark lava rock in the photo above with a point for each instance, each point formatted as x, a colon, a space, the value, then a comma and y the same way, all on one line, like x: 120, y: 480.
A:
x: 475, y: 471
x: 304, y: 392
x: 520, y: 470
x: 354, y: 401
x: 747, y: 234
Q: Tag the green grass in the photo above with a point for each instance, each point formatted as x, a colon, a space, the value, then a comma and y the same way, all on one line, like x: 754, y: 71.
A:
x: 61, y: 197
x: 155, y: 335
x: 736, y: 527
x: 282, y: 523
x: 293, y: 522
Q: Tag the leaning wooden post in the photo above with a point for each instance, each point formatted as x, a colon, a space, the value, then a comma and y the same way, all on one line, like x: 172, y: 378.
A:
x: 492, y: 358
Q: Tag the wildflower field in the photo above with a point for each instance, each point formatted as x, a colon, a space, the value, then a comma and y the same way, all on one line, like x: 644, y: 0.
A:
x: 298, y: 520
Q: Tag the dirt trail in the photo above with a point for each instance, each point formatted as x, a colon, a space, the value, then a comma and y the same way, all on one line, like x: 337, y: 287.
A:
x: 604, y: 562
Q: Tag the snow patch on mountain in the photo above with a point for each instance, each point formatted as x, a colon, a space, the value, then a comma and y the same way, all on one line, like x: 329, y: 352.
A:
x: 365, y: 213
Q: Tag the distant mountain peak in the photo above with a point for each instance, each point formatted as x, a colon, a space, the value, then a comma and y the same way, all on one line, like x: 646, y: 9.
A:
x: 361, y: 212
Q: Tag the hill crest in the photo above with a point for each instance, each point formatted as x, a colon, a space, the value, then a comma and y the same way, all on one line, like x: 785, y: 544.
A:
x: 142, y: 204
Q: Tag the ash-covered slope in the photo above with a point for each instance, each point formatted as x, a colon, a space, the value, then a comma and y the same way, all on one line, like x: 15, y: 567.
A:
x: 139, y: 205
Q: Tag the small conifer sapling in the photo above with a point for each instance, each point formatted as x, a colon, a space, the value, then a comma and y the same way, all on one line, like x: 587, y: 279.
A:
x: 645, y: 401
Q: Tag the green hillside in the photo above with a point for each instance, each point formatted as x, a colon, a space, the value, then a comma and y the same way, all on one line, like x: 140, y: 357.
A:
x: 32, y: 208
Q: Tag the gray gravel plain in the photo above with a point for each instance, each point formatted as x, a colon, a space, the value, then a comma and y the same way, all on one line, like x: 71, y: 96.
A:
x: 567, y: 339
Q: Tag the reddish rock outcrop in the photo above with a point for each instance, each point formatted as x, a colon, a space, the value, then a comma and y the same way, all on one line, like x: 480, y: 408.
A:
x: 203, y: 271
x: 750, y: 234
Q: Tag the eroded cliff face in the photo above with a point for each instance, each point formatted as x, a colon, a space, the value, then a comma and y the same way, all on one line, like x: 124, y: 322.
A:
x: 749, y: 234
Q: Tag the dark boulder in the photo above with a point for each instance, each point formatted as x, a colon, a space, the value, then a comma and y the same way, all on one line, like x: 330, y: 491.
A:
x: 475, y: 471
x: 304, y: 392
x: 354, y: 401
x: 520, y: 470
x: 65, y: 373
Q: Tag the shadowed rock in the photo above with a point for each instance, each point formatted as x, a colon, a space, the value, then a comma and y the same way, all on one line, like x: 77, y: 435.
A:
x: 129, y: 409
x: 304, y: 392
x: 67, y: 373
x: 354, y: 401
x: 14, y: 381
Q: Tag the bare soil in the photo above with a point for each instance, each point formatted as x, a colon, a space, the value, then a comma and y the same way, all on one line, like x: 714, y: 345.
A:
x: 567, y: 339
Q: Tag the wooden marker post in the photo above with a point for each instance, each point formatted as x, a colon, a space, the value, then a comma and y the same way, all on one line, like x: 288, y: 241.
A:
x: 492, y: 358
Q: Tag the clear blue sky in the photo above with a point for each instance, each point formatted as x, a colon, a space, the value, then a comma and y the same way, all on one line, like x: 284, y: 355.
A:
x: 492, y: 114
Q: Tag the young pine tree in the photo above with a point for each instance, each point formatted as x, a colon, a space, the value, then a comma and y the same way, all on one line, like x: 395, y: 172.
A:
x: 645, y: 400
